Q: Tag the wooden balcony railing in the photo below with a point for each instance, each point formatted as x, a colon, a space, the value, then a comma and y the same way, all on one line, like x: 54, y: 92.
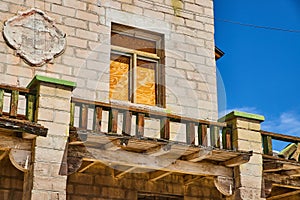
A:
x: 288, y: 152
x: 198, y: 132
x: 17, y: 103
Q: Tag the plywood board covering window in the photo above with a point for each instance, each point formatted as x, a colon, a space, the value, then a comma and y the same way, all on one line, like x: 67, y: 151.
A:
x: 136, y: 66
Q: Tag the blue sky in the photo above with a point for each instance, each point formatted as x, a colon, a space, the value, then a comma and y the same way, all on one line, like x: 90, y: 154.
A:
x: 260, y: 71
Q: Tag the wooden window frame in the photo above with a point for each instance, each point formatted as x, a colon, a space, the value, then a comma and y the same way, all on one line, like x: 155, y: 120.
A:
x: 158, y: 57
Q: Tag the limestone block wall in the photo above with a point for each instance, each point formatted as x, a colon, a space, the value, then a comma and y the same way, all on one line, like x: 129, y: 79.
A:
x: 98, y: 183
x: 11, y: 181
x: 187, y: 27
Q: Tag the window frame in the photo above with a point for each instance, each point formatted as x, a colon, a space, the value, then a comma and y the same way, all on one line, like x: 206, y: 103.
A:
x: 134, y: 55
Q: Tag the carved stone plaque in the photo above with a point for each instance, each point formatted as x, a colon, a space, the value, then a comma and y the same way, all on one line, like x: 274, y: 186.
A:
x: 34, y: 37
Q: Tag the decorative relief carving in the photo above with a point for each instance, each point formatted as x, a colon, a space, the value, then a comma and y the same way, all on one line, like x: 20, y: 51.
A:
x: 34, y: 36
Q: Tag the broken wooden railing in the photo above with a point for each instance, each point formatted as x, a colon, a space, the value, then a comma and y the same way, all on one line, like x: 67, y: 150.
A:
x: 10, y: 98
x: 207, y: 133
x: 292, y: 151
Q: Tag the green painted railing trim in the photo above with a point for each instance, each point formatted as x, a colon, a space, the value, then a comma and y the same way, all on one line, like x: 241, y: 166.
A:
x: 235, y: 114
x: 39, y: 78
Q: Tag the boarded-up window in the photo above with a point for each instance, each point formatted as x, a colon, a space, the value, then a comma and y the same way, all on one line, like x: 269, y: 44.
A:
x: 136, y: 68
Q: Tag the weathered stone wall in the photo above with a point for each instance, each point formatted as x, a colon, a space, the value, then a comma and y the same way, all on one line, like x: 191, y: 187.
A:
x: 187, y: 27
x: 98, y: 183
x: 11, y: 181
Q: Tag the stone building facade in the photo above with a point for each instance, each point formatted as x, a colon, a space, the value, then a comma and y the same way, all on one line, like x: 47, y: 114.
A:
x: 117, y: 99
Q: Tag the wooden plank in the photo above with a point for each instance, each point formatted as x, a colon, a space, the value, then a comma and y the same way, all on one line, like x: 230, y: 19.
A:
x: 267, y: 145
x: 282, y: 180
x: 140, y: 122
x: 286, y: 194
x: 293, y: 173
x: 126, y: 130
x: 165, y: 128
x: 113, y: 121
x: 149, y: 162
x: 1, y: 101
x: 215, y: 136
x: 159, y: 150
x: 98, y: 119
x: 30, y: 107
x: 83, y: 116
x: 190, y: 133
x: 282, y: 137
x: 13, y: 111
x: 122, y: 173
x: 202, y: 134
x: 238, y: 160
x: 200, y: 155
x: 4, y: 154
x: 154, y: 176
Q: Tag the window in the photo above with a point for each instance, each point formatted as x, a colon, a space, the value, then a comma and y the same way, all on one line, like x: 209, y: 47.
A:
x: 136, y: 66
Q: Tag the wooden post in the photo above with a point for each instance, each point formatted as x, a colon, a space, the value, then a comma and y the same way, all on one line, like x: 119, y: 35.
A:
x: 98, y: 120
x: 113, y: 121
x: 127, y: 118
x: 190, y: 133
x: 30, y: 107
x: 202, y: 134
x: 72, y: 114
x: 267, y: 145
x: 215, y: 137
x: 84, y: 116
x: 226, y: 138
x: 165, y: 128
x: 140, y: 122
x: 13, y: 112
x: 1, y: 101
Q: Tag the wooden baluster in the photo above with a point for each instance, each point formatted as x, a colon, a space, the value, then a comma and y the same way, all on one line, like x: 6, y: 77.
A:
x: 113, y: 121
x: 84, y: 116
x: 140, y: 122
x: 226, y: 138
x: 30, y: 107
x: 190, y: 133
x: 1, y: 101
x: 127, y: 119
x: 98, y: 119
x: 72, y: 114
x: 215, y: 136
x: 202, y: 134
x: 13, y: 112
x: 267, y: 145
x: 165, y: 128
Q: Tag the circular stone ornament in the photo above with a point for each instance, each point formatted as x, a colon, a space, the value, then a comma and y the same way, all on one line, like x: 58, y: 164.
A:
x: 34, y: 37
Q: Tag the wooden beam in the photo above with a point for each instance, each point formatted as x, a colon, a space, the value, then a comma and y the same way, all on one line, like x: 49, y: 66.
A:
x: 200, y: 155
x: 238, y: 160
x: 281, y: 196
x: 159, y: 150
x: 293, y: 173
x: 189, y: 179
x: 122, y: 173
x: 149, y: 162
x: 282, y: 180
x: 273, y: 167
x: 154, y: 176
x: 88, y: 165
x: 4, y: 154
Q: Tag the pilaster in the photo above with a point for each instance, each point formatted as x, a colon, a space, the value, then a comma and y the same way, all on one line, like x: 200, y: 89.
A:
x: 53, y: 112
